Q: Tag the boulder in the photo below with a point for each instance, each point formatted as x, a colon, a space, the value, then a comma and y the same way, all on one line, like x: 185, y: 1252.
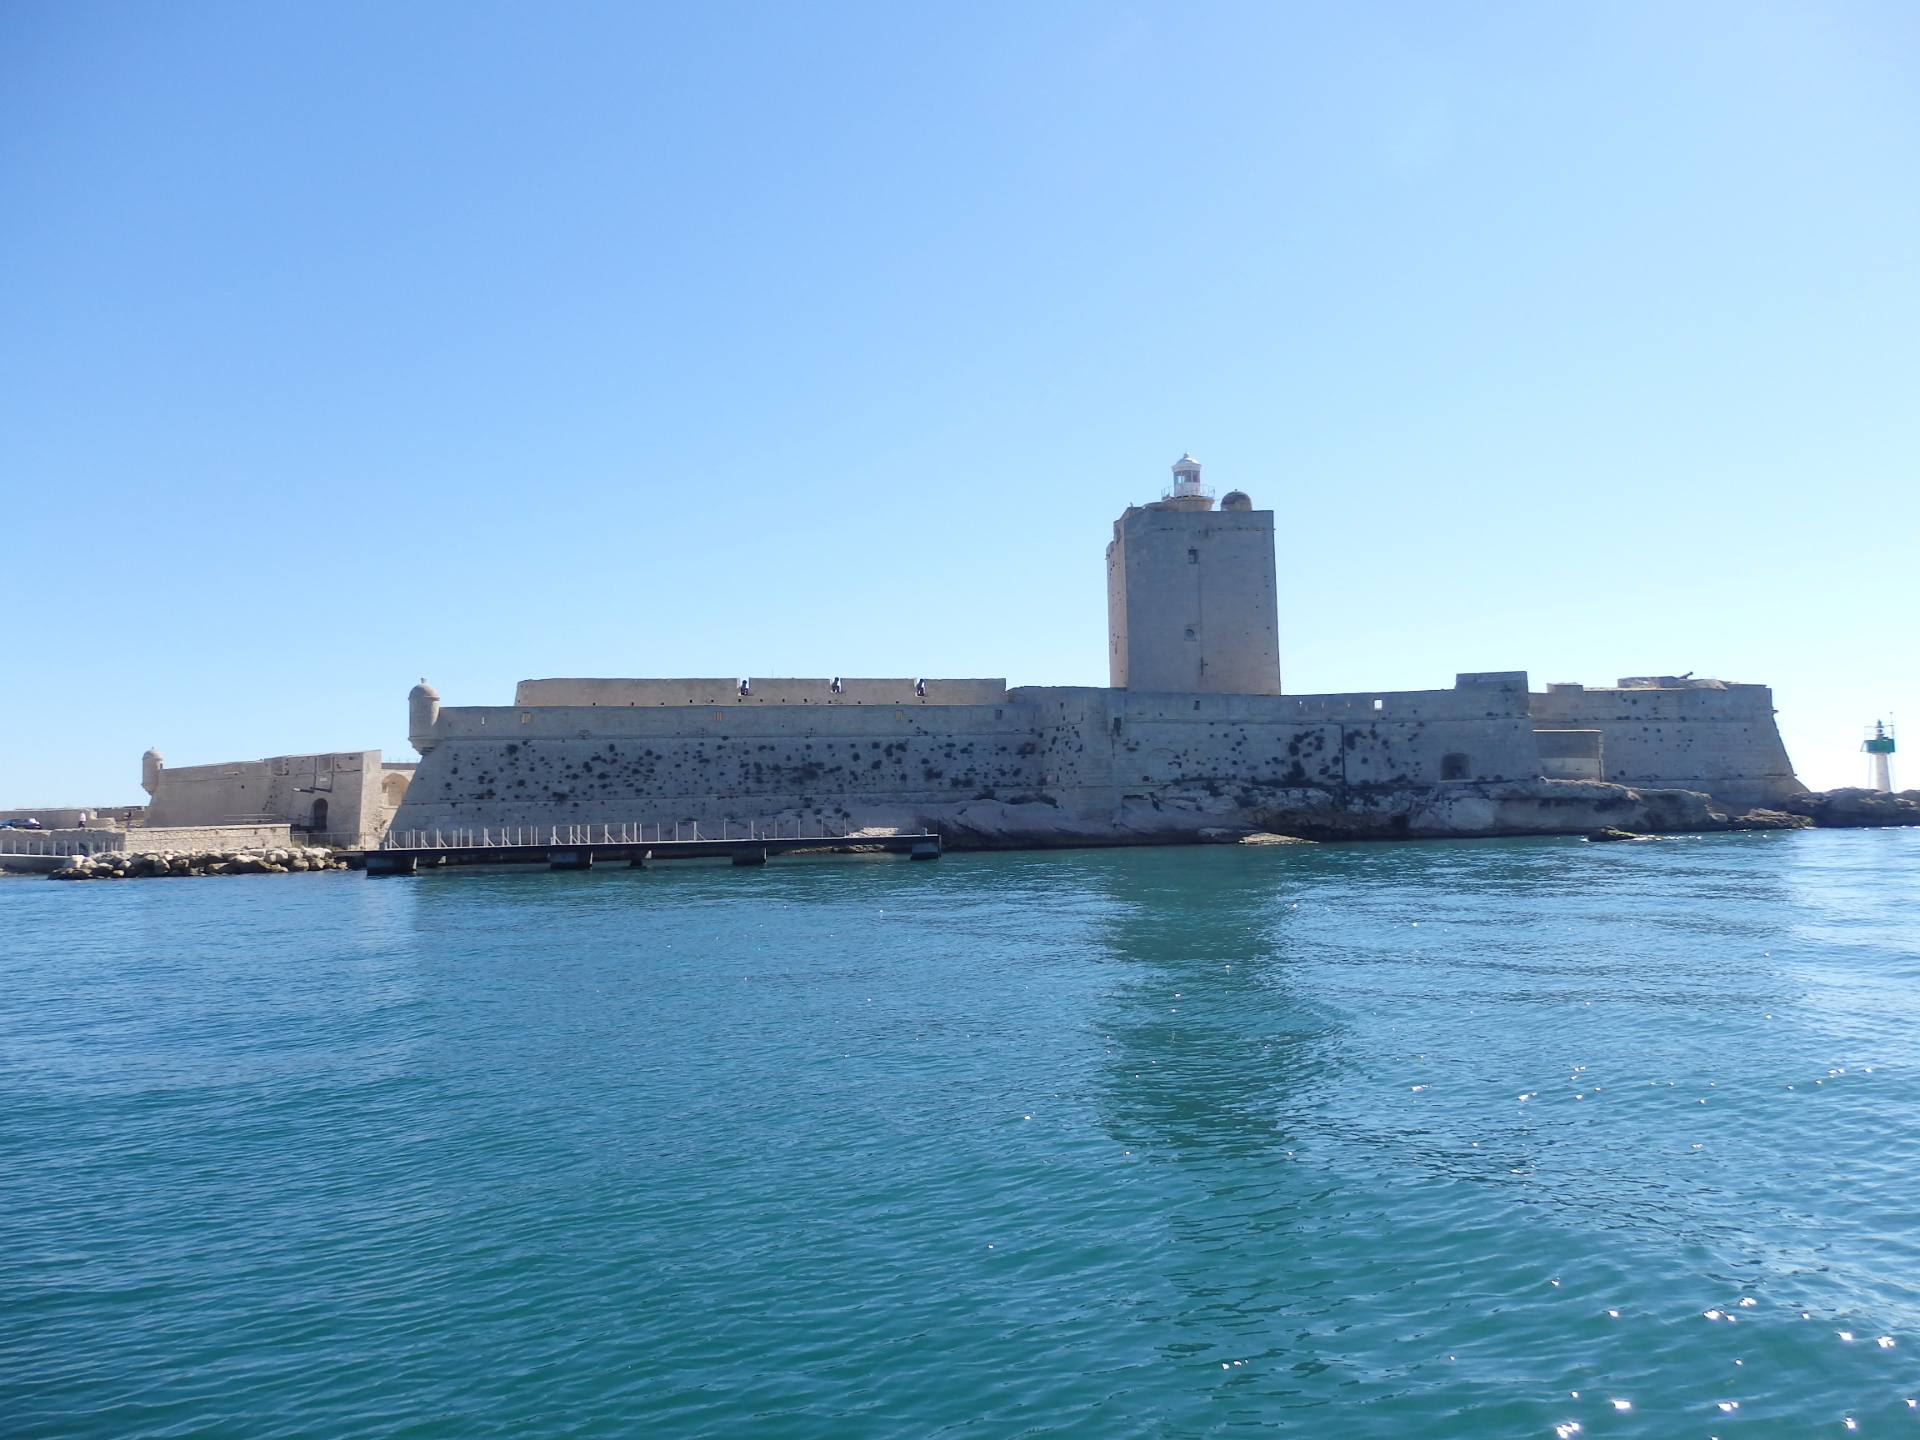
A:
x: 1770, y: 820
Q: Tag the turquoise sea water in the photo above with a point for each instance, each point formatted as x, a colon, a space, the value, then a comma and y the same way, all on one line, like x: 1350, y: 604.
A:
x: 1358, y: 1140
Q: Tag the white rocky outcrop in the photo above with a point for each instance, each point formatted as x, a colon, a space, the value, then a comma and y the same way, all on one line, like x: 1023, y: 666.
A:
x: 1201, y: 814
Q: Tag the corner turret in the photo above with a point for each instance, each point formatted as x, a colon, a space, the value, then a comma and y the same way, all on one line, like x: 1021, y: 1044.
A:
x: 151, y: 765
x: 423, y: 709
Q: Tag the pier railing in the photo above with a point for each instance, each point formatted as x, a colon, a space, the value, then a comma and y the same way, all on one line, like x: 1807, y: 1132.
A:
x: 24, y: 842
x: 513, y: 837
x: 582, y: 847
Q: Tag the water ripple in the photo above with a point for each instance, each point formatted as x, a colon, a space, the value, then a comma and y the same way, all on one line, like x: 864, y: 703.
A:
x: 1403, y: 1140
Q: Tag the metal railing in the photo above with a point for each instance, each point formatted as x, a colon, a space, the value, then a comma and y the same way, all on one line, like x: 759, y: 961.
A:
x: 523, y: 836
x: 133, y: 842
x: 20, y: 843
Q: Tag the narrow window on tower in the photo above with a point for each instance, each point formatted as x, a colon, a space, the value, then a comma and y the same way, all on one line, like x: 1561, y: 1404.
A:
x: 1193, y: 557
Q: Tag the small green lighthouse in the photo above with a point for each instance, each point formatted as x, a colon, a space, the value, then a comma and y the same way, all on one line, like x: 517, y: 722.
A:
x: 1880, y: 745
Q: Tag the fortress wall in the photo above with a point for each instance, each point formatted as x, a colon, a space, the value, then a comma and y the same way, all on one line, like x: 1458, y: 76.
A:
x: 1131, y: 744
x: 775, y: 691
x: 1087, y: 754
x: 600, y: 765
x: 1721, y: 740
x: 193, y: 795
x: 144, y: 839
x: 1086, y: 751
x: 283, y: 787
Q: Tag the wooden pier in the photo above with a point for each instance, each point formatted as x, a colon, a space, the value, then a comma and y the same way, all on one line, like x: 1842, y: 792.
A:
x: 578, y: 848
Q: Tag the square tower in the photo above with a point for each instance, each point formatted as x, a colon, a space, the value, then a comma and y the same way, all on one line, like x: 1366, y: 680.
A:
x: 1191, y: 604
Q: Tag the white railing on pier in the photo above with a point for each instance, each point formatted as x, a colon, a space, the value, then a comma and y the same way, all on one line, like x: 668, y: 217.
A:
x: 19, y: 843
x: 512, y: 837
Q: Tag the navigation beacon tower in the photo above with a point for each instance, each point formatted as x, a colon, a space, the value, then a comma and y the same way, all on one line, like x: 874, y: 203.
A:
x: 1191, y: 605
x: 1879, y: 746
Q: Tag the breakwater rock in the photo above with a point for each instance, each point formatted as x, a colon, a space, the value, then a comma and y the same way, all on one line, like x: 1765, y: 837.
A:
x: 117, y: 865
x: 1853, y: 808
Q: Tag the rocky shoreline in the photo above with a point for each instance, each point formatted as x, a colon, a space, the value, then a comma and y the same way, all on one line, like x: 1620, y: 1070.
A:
x: 121, y: 865
x: 1853, y: 808
x: 1205, y: 815
x: 1219, y: 814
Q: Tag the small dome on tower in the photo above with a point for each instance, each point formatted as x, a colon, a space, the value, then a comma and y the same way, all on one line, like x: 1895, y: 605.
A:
x: 423, y: 691
x: 1236, y: 500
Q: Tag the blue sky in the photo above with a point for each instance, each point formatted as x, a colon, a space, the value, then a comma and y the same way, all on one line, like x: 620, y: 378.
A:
x: 346, y: 343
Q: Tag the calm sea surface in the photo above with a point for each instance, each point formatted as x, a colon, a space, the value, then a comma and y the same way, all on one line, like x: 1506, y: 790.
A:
x: 1453, y: 1139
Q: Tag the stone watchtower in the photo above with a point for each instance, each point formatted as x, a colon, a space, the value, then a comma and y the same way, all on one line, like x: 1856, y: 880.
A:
x: 1190, y: 594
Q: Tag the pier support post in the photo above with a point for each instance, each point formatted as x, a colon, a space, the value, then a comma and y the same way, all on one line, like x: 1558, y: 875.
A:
x: 581, y: 859
x: 642, y: 861
x: 925, y: 850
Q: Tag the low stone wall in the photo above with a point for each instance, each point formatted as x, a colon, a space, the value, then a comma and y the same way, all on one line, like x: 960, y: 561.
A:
x: 171, y: 837
x: 209, y: 837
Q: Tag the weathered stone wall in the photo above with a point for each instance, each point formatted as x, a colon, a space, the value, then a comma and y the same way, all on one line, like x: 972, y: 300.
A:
x: 1191, y: 601
x: 146, y: 838
x: 286, y: 789
x: 1712, y: 736
x: 1084, y: 765
x: 1079, y: 752
x: 612, y: 764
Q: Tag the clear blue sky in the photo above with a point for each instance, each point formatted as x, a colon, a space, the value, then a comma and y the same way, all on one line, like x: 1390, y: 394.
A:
x: 342, y: 344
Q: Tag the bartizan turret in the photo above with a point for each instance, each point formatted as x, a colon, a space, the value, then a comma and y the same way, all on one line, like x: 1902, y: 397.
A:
x: 423, y: 709
x: 151, y: 765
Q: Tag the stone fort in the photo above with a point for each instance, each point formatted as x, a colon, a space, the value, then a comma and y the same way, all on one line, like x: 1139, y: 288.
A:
x: 1194, y: 738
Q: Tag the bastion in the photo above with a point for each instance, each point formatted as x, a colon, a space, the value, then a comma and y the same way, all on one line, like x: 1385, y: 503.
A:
x: 1194, y: 739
